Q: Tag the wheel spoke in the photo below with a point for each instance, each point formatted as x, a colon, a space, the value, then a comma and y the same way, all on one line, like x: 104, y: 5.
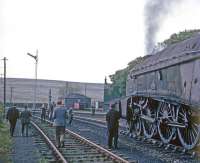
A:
x: 166, y: 113
x: 188, y: 136
x: 148, y: 127
x: 193, y: 135
x: 137, y: 126
x: 181, y: 115
x: 195, y: 129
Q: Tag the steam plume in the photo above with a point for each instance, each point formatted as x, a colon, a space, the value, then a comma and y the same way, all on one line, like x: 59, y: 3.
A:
x: 155, y: 13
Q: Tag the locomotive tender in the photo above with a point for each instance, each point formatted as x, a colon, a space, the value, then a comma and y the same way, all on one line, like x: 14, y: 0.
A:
x: 164, y: 94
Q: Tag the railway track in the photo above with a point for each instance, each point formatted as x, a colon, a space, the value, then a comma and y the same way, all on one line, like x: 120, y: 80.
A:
x: 167, y: 152
x: 76, y: 149
x: 140, y: 148
x: 47, y: 147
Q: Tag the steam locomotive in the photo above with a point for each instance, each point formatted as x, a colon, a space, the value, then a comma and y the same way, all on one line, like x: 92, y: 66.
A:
x: 164, y: 94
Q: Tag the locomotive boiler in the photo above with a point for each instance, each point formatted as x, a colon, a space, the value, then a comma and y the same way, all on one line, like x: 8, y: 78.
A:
x: 164, y: 94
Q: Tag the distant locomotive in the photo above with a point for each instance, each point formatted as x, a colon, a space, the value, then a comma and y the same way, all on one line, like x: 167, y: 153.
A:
x: 164, y: 94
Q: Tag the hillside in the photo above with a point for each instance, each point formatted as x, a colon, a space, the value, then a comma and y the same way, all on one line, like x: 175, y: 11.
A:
x: 23, y: 90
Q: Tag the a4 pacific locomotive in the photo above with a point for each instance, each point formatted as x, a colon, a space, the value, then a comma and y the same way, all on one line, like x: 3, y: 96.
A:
x: 163, y: 93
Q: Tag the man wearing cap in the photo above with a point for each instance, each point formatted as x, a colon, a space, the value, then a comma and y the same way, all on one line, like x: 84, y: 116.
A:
x: 59, y: 116
x: 112, y: 118
x: 25, y: 120
x: 70, y: 115
x: 51, y: 108
x: 129, y: 118
x: 12, y: 116
x: 43, y: 112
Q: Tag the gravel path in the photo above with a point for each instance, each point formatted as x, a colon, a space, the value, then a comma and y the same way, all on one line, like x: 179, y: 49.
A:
x: 23, y: 149
x: 131, y: 148
x: 99, y: 136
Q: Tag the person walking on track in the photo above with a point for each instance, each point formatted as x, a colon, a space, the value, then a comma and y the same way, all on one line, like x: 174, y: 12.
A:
x: 70, y: 115
x: 129, y: 118
x: 112, y: 118
x: 25, y: 120
x: 43, y: 112
x: 12, y: 116
x: 59, y: 116
x: 51, y: 108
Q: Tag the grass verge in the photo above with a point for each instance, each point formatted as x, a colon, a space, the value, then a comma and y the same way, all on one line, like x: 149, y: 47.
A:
x: 5, y: 141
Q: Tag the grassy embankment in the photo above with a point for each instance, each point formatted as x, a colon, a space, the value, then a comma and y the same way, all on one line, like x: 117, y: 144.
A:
x: 5, y: 140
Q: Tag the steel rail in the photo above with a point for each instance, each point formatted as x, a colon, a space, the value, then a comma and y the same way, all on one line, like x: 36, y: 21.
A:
x: 123, y: 132
x: 89, y: 113
x: 103, y: 124
x: 99, y: 148
x: 90, y: 119
x: 102, y: 150
x: 58, y: 154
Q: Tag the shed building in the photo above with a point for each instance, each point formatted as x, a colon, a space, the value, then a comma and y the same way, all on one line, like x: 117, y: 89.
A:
x: 77, y: 101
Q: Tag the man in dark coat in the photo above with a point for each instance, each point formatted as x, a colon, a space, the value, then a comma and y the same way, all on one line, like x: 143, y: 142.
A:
x: 70, y: 115
x: 112, y: 118
x: 51, y: 108
x: 25, y: 120
x: 129, y: 118
x: 43, y: 112
x: 12, y: 116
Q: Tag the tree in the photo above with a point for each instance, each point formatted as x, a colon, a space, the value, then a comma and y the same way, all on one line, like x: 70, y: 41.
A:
x: 181, y: 36
x: 118, y: 87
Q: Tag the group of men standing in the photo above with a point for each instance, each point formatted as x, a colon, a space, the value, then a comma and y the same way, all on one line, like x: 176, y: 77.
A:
x: 50, y: 111
x: 59, y: 115
x: 12, y: 116
x: 56, y: 114
x: 112, y: 118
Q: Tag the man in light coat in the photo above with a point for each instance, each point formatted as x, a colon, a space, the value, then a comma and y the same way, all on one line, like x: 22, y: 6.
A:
x: 59, y: 116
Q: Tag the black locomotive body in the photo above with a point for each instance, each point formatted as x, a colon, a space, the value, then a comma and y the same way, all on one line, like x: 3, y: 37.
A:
x: 164, y: 94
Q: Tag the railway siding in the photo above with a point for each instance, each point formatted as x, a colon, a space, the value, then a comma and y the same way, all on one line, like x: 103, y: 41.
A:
x: 78, y: 148
x: 149, y: 147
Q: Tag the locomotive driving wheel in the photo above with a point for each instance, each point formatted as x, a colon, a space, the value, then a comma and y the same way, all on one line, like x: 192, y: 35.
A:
x: 189, y: 134
x: 137, y: 125
x: 148, y: 123
x: 165, y: 115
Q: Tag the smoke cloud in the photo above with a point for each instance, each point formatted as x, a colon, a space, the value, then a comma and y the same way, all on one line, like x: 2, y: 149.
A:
x: 155, y: 13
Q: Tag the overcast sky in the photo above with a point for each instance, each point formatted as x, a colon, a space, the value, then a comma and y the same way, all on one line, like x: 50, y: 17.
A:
x: 80, y: 40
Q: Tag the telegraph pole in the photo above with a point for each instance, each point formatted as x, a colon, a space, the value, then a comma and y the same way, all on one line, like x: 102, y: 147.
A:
x: 11, y: 95
x: 66, y: 89
x: 1, y: 77
x: 85, y: 88
x: 50, y: 96
x: 4, y: 87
